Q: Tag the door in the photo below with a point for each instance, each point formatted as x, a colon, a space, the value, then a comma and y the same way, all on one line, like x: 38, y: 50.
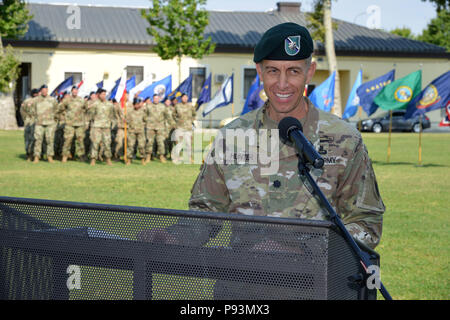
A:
x: 23, y: 89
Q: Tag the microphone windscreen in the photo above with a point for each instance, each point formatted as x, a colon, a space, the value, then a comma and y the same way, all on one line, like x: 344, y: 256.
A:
x: 286, y: 125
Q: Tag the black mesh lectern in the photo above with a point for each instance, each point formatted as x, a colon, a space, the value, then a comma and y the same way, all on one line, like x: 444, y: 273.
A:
x: 66, y: 250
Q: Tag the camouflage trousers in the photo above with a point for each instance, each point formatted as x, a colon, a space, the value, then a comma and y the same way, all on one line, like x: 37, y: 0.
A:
x: 47, y: 132
x: 120, y: 137
x: 160, y: 136
x: 132, y: 138
x: 98, y: 136
x: 59, y: 139
x: 69, y: 133
x: 28, y: 134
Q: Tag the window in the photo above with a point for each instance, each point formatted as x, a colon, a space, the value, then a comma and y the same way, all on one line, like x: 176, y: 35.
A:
x: 198, y: 79
x: 135, y: 71
x: 249, y: 77
x: 77, y: 76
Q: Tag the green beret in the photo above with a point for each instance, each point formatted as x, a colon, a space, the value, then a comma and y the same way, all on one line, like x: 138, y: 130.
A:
x: 286, y: 41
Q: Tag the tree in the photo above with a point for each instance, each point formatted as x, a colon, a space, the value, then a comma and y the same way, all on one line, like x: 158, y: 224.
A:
x: 322, y: 29
x: 14, y: 17
x: 438, y: 30
x: 404, y: 32
x: 177, y: 27
x: 440, y: 4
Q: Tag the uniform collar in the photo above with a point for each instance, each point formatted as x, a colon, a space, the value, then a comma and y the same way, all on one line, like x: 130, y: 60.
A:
x: 309, y: 124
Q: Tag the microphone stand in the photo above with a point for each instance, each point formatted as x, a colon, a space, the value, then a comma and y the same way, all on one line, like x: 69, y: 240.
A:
x: 364, y: 258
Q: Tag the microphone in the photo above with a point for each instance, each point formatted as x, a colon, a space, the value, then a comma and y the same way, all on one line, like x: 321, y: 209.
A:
x: 291, y: 129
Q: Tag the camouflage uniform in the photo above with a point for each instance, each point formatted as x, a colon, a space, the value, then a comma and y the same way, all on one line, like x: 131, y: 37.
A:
x: 120, y: 134
x: 44, y: 111
x: 28, y: 121
x: 184, y: 117
x: 157, y: 117
x: 59, y: 132
x: 170, y: 127
x: 75, y: 112
x: 347, y: 178
x: 103, y: 119
x: 87, y: 124
x: 136, y: 131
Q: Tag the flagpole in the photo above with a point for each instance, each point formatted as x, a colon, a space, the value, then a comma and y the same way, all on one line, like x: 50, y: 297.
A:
x: 420, y: 142
x: 232, y: 104
x: 389, y: 138
x: 390, y: 130
x: 125, y: 134
x: 420, y: 132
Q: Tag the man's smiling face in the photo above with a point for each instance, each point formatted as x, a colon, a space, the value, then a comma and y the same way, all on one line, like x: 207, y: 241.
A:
x: 284, y: 83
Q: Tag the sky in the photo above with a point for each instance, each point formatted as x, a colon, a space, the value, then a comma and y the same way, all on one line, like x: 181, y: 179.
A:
x: 414, y: 14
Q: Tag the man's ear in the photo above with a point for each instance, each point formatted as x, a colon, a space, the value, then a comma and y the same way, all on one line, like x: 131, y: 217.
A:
x: 311, y: 72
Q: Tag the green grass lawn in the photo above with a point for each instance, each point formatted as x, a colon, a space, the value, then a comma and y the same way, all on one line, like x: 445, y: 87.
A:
x: 415, y: 243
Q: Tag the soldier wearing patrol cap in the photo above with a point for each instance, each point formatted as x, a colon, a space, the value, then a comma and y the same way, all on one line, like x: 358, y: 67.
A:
x: 44, y: 108
x: 28, y: 120
x: 74, y: 109
x: 284, y: 64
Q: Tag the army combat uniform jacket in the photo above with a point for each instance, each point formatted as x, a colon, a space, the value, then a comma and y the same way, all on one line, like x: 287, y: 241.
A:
x: 347, y: 179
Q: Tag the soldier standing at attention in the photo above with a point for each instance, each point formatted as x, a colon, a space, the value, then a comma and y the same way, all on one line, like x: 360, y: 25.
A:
x: 170, y: 126
x: 136, y: 118
x: 157, y: 116
x: 44, y: 108
x: 93, y: 96
x: 60, y: 125
x: 74, y: 108
x: 102, y: 113
x: 28, y: 121
x: 185, y: 115
x: 120, y: 134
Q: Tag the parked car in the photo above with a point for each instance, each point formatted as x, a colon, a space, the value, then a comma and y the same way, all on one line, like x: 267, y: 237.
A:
x: 381, y: 123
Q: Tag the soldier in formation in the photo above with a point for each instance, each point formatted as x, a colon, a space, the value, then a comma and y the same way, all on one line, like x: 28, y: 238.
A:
x: 136, y: 118
x: 184, y: 116
x: 28, y: 121
x: 74, y: 109
x: 44, y: 110
x: 157, y: 122
x: 102, y: 115
x: 120, y: 133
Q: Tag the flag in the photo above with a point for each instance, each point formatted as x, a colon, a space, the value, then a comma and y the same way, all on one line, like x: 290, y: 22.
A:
x: 63, y: 86
x: 99, y: 85
x: 128, y: 85
x: 121, y: 87
x: 131, y: 83
x: 256, y: 96
x: 446, y: 121
x: 353, y: 99
x: 113, y: 91
x: 184, y: 87
x: 369, y: 90
x: 223, y: 96
x: 399, y: 93
x: 141, y: 86
x: 205, y: 94
x: 323, y: 95
x: 79, y: 84
x: 161, y: 88
x: 435, y: 96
